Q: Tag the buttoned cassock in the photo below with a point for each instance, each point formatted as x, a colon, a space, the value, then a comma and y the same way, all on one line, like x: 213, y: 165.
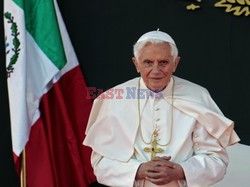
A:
x: 196, y: 139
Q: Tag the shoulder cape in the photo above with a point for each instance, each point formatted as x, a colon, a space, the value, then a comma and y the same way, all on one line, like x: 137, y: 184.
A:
x: 113, y: 121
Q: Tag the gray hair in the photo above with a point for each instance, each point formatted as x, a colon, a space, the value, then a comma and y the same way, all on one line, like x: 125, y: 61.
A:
x: 138, y: 47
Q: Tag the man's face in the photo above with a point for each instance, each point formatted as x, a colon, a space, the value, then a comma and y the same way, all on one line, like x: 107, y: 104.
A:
x: 156, y: 65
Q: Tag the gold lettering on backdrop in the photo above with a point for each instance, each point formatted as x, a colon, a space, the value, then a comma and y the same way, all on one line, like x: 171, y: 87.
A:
x: 238, y: 7
x: 193, y: 6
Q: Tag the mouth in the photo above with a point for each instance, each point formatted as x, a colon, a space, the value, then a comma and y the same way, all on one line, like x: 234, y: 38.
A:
x: 156, y: 78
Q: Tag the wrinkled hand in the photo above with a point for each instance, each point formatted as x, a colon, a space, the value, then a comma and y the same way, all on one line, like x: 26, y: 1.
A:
x: 160, y: 171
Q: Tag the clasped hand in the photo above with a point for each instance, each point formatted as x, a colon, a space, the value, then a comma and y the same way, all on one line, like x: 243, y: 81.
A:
x: 160, y: 171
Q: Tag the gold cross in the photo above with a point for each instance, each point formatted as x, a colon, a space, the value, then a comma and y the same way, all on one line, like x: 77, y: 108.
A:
x: 154, y: 149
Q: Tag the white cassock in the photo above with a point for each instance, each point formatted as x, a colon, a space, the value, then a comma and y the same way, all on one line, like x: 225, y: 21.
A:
x: 195, y: 136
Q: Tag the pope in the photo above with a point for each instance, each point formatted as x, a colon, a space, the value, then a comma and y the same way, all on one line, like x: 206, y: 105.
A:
x: 170, y: 133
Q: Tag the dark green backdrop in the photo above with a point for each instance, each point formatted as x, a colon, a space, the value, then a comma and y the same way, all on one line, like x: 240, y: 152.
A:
x: 214, y: 49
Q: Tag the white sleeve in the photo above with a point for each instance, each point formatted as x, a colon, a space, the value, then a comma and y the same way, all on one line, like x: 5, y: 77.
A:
x: 208, y: 164
x: 114, y: 173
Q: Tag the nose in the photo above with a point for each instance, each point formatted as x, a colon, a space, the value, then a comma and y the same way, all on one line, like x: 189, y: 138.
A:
x: 156, y: 67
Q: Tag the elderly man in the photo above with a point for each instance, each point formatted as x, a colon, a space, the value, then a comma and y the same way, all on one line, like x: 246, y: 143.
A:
x: 160, y: 130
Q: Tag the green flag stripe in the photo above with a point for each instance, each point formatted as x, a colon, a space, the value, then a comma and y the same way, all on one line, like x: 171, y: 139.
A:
x: 19, y: 3
x: 41, y: 23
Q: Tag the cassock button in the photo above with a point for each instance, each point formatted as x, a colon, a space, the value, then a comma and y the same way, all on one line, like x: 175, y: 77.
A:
x: 156, y: 109
x: 195, y: 135
x: 158, y: 119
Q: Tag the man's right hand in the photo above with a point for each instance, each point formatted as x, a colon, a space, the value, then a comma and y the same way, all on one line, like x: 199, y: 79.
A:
x: 160, y: 171
x: 150, y: 166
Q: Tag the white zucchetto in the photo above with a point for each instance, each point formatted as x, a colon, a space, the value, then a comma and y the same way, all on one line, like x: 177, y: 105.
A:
x: 159, y: 35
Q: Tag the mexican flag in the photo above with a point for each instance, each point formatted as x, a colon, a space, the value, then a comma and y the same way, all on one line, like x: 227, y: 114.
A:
x: 47, y: 95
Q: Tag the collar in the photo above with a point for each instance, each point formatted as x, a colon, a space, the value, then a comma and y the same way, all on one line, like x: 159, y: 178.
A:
x: 150, y: 96
x: 166, y: 93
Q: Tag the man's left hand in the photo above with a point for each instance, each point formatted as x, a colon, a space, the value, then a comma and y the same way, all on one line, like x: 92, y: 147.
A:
x: 163, y: 174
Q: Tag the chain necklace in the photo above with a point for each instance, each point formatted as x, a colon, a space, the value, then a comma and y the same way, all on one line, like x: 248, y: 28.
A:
x: 154, y: 141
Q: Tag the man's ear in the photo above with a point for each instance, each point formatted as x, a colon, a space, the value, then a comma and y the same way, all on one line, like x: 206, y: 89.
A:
x: 176, y: 62
x: 136, y: 64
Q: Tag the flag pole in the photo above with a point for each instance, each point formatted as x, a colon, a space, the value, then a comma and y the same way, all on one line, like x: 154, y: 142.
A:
x: 23, y: 169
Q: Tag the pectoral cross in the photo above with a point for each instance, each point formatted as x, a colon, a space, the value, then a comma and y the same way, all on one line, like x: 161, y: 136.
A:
x: 154, y: 149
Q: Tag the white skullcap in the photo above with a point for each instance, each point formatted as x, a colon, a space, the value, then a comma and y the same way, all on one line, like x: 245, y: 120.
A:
x: 159, y: 35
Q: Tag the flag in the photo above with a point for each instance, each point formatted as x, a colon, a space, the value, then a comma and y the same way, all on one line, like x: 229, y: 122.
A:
x: 47, y: 95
